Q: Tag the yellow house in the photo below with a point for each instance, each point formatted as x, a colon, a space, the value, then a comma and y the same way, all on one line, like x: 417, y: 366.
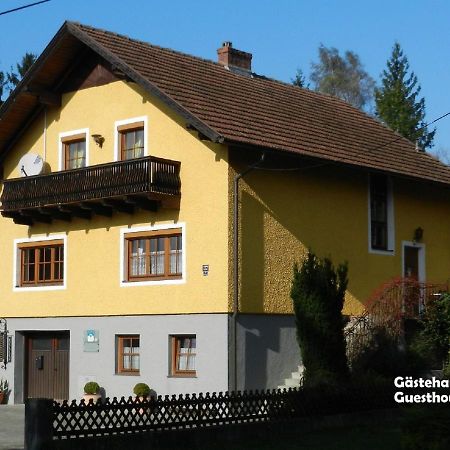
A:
x: 127, y: 255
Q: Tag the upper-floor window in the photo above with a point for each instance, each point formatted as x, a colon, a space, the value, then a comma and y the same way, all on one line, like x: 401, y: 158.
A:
x: 132, y: 143
x: 381, y: 213
x: 131, y: 138
x: 153, y: 255
x: 74, y: 146
x: 75, y: 154
x: 42, y: 263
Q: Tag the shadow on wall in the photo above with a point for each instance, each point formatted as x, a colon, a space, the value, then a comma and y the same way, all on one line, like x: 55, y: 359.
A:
x: 267, y: 350
x: 252, y: 254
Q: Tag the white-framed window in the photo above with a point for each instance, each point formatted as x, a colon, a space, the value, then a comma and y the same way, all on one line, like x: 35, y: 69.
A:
x: 381, y: 215
x: 130, y: 138
x: 40, y: 263
x: 73, y: 149
x: 153, y: 255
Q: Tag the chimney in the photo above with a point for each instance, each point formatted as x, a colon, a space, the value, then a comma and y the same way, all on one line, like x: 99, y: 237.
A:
x: 231, y: 57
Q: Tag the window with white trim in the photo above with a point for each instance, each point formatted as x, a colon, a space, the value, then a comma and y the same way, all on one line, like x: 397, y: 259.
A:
x: 40, y: 263
x: 74, y: 149
x: 130, y: 138
x: 154, y: 255
x: 381, y: 223
x: 75, y: 153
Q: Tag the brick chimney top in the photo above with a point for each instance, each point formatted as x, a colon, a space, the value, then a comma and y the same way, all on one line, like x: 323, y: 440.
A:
x: 232, y: 57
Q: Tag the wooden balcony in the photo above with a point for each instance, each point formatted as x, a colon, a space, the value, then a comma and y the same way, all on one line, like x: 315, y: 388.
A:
x: 146, y: 183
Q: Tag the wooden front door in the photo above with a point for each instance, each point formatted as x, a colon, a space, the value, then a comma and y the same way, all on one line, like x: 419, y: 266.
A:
x: 48, y: 366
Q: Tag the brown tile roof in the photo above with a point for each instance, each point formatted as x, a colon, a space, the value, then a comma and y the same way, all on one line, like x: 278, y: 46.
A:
x: 260, y: 111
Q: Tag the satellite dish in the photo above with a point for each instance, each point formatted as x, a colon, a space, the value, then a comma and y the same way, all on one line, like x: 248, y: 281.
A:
x: 30, y: 164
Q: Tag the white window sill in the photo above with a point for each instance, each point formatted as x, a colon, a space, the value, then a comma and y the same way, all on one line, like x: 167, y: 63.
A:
x: 382, y: 252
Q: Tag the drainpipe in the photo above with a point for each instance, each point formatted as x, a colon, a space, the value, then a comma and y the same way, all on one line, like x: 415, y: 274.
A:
x: 233, y: 349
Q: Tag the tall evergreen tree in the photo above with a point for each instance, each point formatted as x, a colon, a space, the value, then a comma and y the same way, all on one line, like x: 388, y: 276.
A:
x: 2, y: 84
x: 318, y: 292
x: 398, y: 104
x: 300, y: 79
x: 343, y: 77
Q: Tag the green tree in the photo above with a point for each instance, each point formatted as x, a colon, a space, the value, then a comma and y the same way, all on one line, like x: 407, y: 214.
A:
x: 397, y: 101
x: 2, y: 84
x: 9, y: 80
x: 342, y: 77
x: 300, y: 79
x: 13, y: 77
x: 318, y: 292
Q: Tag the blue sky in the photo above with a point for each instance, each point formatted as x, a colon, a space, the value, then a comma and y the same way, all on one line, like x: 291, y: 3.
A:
x: 283, y: 35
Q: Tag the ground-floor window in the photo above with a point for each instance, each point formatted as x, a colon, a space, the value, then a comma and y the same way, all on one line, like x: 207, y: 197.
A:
x: 128, y: 354
x: 183, y: 350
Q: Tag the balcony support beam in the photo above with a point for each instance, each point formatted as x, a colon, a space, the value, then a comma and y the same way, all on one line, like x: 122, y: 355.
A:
x: 22, y: 220
x: 119, y: 206
x: 36, y: 215
x: 55, y: 213
x: 76, y: 211
x: 97, y: 208
x: 143, y: 203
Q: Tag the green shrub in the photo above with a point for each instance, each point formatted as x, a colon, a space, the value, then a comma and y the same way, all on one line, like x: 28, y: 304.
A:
x: 426, y: 428
x: 91, y: 388
x: 141, y: 390
x: 435, y: 335
x: 383, y: 357
x: 318, y: 292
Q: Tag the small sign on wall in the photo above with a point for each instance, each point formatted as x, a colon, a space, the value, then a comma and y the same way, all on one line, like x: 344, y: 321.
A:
x: 91, y: 341
x: 205, y: 269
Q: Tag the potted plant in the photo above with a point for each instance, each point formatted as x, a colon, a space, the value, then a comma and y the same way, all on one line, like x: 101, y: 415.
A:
x: 142, y: 391
x: 4, y: 389
x: 91, y: 392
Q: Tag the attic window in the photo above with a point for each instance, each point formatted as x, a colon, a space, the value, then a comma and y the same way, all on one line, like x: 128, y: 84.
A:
x: 75, y: 153
x: 73, y: 149
x: 130, y: 138
x: 132, y: 143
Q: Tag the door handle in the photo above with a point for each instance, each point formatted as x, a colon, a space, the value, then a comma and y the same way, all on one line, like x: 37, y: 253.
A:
x: 39, y: 362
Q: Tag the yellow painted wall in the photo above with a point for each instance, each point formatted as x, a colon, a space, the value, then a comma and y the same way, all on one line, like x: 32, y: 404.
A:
x: 282, y: 214
x: 93, y: 246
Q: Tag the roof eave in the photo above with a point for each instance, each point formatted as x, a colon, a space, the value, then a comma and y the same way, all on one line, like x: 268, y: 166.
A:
x: 191, y: 119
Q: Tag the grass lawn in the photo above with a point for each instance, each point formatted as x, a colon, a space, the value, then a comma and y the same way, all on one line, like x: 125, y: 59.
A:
x: 361, y: 437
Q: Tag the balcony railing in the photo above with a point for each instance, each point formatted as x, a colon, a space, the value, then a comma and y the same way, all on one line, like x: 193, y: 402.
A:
x: 146, y: 182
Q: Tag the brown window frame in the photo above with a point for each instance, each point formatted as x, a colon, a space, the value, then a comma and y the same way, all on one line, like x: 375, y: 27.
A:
x: 175, y: 342
x: 120, y: 370
x: 123, y: 130
x: 147, y: 236
x: 66, y: 142
x: 37, y: 248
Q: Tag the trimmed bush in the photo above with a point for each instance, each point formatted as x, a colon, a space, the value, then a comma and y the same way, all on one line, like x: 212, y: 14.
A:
x: 91, y: 388
x: 141, y: 390
x: 318, y: 292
